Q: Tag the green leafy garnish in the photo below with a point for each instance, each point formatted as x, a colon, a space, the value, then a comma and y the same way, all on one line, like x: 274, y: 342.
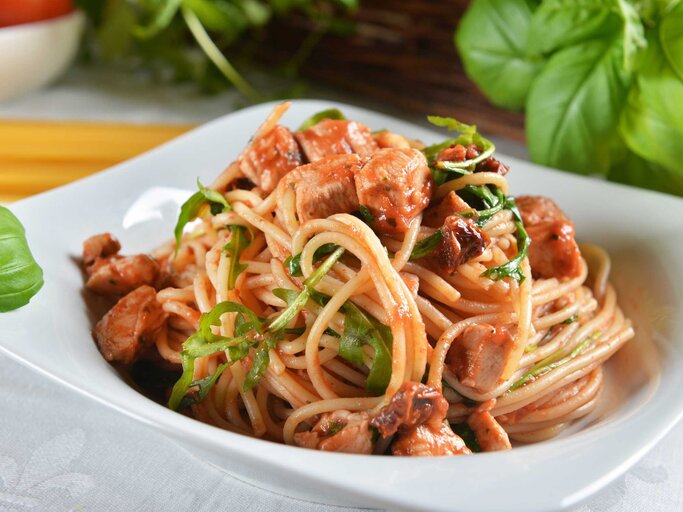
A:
x: 190, y: 209
x: 198, y: 389
x: 234, y: 248
x: 293, y: 263
x: 425, y: 246
x: 360, y: 329
x: 467, y: 435
x: 261, y: 359
x: 366, y: 215
x: 552, y: 361
x: 332, y: 113
x: 570, y: 320
x: 513, y: 268
x: 334, y: 427
x: 20, y: 276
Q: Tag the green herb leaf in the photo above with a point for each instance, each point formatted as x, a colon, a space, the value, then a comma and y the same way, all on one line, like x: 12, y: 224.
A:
x: 332, y: 113
x: 574, y: 106
x: 20, y: 276
x: 248, y: 320
x: 468, y: 135
x: 234, y: 248
x: 452, y: 124
x: 425, y: 246
x: 366, y: 215
x: 261, y: 360
x: 467, y: 435
x: 165, y: 12
x: 293, y: 263
x: 203, y: 386
x: 671, y: 38
x: 360, y: 329
x: 513, y: 268
x: 492, y: 41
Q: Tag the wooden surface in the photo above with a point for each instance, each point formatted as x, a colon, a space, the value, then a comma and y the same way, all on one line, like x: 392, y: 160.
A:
x: 37, y: 156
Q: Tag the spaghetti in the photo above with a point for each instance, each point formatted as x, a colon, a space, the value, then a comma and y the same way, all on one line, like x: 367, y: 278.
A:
x: 431, y: 315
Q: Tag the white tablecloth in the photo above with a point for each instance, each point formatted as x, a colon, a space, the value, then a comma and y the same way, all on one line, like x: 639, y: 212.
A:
x: 63, y: 452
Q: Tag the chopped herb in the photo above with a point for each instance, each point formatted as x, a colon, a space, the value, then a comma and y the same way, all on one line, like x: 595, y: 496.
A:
x: 425, y: 246
x: 552, y: 361
x: 293, y: 263
x: 571, y: 319
x: 332, y: 113
x: 334, y: 427
x: 467, y: 435
x: 234, y: 248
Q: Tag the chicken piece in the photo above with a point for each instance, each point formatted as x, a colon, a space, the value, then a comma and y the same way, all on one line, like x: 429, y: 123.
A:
x: 339, y: 431
x: 553, y: 251
x: 451, y: 204
x: 99, y: 246
x: 429, y: 440
x: 411, y: 281
x: 490, y: 435
x: 118, y: 275
x: 334, y: 137
x: 395, y: 185
x: 121, y: 334
x: 269, y: 157
x: 387, y: 139
x: 323, y: 188
x: 414, y: 404
x: 480, y: 354
x: 462, y: 240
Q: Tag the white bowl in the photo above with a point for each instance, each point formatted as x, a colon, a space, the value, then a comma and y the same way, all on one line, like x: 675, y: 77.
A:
x: 138, y: 201
x: 34, y: 54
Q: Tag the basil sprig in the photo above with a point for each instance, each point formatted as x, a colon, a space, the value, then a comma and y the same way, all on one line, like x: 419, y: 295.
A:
x: 20, y: 276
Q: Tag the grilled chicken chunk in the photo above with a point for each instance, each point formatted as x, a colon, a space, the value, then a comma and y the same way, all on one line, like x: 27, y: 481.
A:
x: 427, y: 440
x: 99, y: 246
x: 553, y: 251
x: 121, y: 334
x: 395, y: 185
x: 339, y: 431
x: 323, y: 188
x: 490, y: 435
x: 334, y: 137
x: 479, y: 355
x: 462, y: 240
x: 269, y: 157
x: 451, y: 204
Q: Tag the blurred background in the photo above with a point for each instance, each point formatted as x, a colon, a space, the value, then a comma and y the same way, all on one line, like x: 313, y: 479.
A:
x: 592, y: 87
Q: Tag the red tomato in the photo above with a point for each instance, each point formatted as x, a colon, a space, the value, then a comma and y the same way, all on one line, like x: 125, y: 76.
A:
x: 16, y: 12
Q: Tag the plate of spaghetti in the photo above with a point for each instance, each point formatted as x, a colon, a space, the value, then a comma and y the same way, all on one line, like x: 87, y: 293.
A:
x: 359, y: 310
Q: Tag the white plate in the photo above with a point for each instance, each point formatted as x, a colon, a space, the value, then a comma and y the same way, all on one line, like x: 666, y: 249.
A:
x: 138, y: 201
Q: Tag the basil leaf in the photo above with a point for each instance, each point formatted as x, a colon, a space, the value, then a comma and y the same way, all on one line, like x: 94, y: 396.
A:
x: 574, y: 106
x: 190, y: 209
x: 512, y: 268
x: 359, y: 329
x: 425, y: 246
x: 332, y: 113
x: 671, y: 38
x: 20, y: 276
x: 234, y: 248
x: 492, y: 42
x: 293, y: 263
x: 162, y: 18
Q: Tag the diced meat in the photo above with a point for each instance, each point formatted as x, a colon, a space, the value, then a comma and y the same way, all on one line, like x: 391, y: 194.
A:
x: 269, y: 157
x: 458, y: 153
x: 490, y: 435
x: 492, y: 165
x: 411, y: 281
x: 334, y: 137
x: 479, y: 356
x: 99, y: 246
x: 429, y: 440
x: 122, y: 332
x: 414, y: 404
x: 451, y: 204
x: 553, y: 251
x: 395, y: 185
x: 339, y: 431
x: 462, y: 240
x: 387, y: 139
x: 118, y: 275
x: 324, y: 188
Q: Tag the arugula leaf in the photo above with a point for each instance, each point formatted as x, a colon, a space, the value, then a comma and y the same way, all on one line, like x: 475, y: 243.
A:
x: 20, y: 276
x: 366, y: 215
x: 190, y: 209
x: 360, y: 329
x: 261, y: 359
x: 332, y: 113
x: 293, y: 263
x: 574, y: 106
x: 234, y: 248
x: 492, y: 40
x: 468, y: 135
x: 248, y: 320
x: 203, y: 386
x: 467, y: 435
x: 552, y: 361
x: 425, y: 246
x: 512, y: 268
